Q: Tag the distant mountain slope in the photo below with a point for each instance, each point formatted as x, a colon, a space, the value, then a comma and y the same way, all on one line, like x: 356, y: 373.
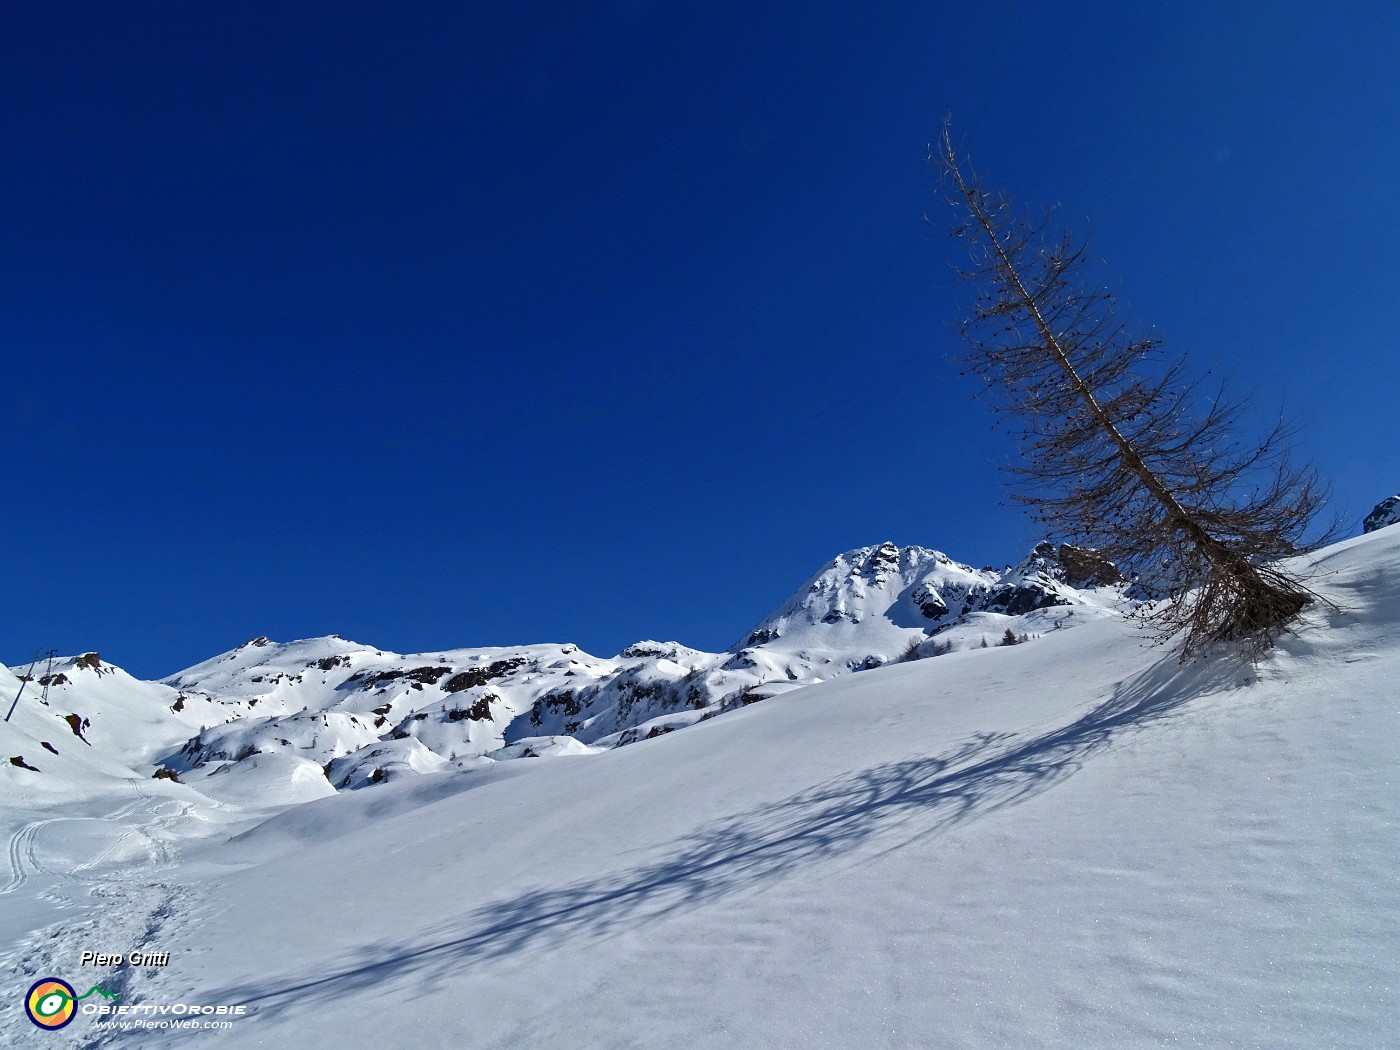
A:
x: 873, y: 600
x: 97, y: 722
x: 355, y: 716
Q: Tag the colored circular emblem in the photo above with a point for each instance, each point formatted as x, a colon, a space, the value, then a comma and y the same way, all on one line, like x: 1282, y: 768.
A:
x: 51, y: 1003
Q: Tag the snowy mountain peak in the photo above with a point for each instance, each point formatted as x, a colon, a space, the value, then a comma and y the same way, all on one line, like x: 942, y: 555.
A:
x: 860, y: 586
x: 876, y: 604
x: 657, y: 650
x: 1050, y: 576
x: 1386, y: 512
x: 263, y: 652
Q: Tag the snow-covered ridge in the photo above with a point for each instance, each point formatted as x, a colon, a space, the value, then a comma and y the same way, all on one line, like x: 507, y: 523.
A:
x: 1386, y: 512
x: 353, y: 715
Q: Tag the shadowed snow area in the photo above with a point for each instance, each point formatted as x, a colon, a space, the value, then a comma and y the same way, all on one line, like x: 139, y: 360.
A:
x: 1073, y: 843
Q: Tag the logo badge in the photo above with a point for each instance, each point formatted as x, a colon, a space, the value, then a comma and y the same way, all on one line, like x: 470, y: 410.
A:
x: 51, y: 1003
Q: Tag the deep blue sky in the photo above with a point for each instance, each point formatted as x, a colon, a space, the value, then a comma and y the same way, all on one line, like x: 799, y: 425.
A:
x: 470, y: 324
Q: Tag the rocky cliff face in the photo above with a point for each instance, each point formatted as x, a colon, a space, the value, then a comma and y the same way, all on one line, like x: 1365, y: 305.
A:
x: 1386, y: 512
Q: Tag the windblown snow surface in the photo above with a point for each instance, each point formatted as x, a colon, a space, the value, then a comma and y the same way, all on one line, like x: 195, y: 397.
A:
x: 1072, y: 843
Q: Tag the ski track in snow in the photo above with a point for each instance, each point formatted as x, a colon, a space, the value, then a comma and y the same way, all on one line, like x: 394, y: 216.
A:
x: 21, y: 855
x: 120, y: 909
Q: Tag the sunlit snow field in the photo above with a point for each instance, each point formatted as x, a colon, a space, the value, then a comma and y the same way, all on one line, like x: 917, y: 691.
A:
x: 1070, y: 843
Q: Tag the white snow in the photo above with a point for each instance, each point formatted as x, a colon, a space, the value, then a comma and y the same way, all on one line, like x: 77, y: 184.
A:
x: 1072, y: 843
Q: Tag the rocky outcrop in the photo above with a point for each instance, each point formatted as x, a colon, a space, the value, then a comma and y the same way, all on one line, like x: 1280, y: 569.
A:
x: 1387, y: 512
x: 1086, y: 568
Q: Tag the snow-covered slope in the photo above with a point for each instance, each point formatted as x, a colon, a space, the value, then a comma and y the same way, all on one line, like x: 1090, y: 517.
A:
x: 1073, y: 843
x: 867, y: 606
x: 346, y: 715
x: 96, y: 721
x: 364, y: 715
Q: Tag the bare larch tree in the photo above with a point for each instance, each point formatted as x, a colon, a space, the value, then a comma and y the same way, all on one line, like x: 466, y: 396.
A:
x: 1121, y: 449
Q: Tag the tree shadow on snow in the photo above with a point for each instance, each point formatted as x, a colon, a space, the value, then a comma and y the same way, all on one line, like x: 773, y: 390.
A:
x: 883, y: 807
